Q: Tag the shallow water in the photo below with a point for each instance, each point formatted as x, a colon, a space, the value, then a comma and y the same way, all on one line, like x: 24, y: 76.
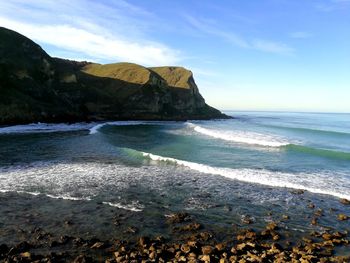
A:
x: 219, y: 171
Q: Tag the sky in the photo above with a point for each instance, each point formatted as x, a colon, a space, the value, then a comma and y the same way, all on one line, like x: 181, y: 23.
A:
x: 284, y: 55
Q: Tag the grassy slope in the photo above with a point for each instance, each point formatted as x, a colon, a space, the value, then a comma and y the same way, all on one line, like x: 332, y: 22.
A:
x: 35, y: 87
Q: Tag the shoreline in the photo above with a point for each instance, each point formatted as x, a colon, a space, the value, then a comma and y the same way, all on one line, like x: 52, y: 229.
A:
x: 190, y: 239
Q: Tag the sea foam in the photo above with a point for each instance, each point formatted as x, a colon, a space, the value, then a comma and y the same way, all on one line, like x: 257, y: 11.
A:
x: 95, y: 129
x: 244, y: 137
x: 134, y: 206
x: 320, y: 183
x: 44, y: 128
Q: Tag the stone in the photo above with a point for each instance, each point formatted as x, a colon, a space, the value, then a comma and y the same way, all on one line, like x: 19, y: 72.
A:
x: 178, y: 218
x: 219, y: 247
x: 342, y: 217
x: 311, y: 205
x: 153, y: 255
x: 207, y: 250
x: 271, y: 226
x: 345, y: 201
x: 275, y: 237
x: 82, y: 259
x: 327, y: 236
x: 185, y: 248
x: 314, y: 221
x: 98, y: 245
x: 143, y: 241
x: 205, y: 258
x: 25, y: 255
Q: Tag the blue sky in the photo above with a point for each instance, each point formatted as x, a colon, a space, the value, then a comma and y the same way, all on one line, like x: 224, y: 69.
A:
x: 291, y: 55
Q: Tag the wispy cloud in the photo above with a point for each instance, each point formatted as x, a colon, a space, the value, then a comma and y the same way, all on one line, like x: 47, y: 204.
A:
x: 73, y: 27
x: 300, y: 35
x: 264, y: 45
x: 272, y: 47
x: 333, y: 5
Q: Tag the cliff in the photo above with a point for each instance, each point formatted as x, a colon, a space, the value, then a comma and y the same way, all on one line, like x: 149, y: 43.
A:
x: 36, y: 87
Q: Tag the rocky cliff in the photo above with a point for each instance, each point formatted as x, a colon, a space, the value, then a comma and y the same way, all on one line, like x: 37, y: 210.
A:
x: 36, y: 87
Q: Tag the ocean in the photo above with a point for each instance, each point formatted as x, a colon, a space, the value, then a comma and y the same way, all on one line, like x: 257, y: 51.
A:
x: 254, y: 165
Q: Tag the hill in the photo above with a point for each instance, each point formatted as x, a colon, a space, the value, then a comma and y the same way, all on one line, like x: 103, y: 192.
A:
x: 36, y: 87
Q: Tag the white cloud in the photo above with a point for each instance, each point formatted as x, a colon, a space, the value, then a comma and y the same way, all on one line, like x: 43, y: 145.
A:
x: 77, y: 28
x: 239, y: 41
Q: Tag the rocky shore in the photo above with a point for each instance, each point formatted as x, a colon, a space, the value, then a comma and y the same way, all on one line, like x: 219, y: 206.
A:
x: 191, y: 242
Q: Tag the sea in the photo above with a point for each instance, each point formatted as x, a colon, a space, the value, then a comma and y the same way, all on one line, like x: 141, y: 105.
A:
x: 258, y: 165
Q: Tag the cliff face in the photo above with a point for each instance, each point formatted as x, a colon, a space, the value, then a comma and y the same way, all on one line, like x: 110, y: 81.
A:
x: 36, y: 87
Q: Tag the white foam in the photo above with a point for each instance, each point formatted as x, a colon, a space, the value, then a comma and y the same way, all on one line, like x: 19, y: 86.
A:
x: 241, y: 137
x: 96, y: 128
x: 320, y: 183
x: 65, y: 197
x: 68, y: 197
x: 79, y: 181
x: 134, y: 206
x: 44, y: 128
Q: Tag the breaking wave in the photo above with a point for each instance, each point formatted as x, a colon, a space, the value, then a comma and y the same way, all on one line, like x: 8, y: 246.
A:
x: 95, y: 129
x: 320, y: 183
x: 242, y: 137
x: 44, y: 128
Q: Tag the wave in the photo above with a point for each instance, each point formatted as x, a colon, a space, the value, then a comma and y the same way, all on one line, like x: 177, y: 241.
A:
x: 315, y: 183
x: 309, y: 130
x: 95, y: 129
x: 242, y: 137
x: 44, y: 128
x: 320, y: 152
x: 65, y: 197
x: 134, y: 206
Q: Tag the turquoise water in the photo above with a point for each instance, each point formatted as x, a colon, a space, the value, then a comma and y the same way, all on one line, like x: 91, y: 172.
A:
x: 308, y: 151
x: 220, y: 170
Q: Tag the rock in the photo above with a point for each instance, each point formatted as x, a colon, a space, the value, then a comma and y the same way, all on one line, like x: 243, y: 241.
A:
x: 3, y: 249
x: 271, y: 226
x: 26, y: 255
x: 178, y: 218
x: 131, y: 230
x: 21, y: 247
x: 204, y: 236
x: 192, y: 244
x: 275, y: 237
x: 153, y: 255
x: 220, y: 247
x: 189, y: 227
x: 342, y: 217
x: 247, y: 220
x: 143, y: 241
x: 98, y: 245
x: 327, y: 236
x: 319, y: 212
x: 311, y: 205
x: 207, y: 250
x: 314, y: 221
x: 82, y: 259
x: 298, y: 192
x: 185, y: 248
x: 205, y: 258
x: 68, y: 223
x: 345, y: 201
x: 285, y: 217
